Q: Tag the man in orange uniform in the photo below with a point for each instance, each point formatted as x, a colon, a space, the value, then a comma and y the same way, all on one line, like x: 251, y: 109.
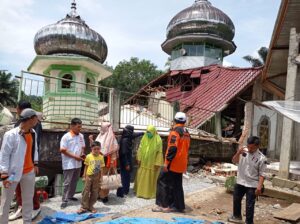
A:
x: 169, y: 195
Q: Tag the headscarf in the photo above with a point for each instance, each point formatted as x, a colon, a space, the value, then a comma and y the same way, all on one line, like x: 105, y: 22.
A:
x: 128, y: 131
x: 150, y: 149
x: 107, y: 138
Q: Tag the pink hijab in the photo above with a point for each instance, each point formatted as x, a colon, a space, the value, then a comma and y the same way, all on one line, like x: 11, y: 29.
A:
x: 106, y: 137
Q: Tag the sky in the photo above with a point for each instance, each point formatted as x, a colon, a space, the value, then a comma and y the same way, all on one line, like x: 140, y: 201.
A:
x: 131, y: 28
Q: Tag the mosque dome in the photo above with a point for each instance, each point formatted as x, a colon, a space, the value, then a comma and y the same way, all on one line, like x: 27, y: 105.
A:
x: 200, y: 22
x: 70, y: 36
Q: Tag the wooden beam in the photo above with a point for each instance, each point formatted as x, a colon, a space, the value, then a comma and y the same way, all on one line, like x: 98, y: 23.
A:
x: 270, y: 87
x: 277, y: 75
x: 280, y: 47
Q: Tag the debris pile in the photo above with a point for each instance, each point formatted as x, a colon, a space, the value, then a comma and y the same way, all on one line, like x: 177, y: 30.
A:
x: 218, y: 169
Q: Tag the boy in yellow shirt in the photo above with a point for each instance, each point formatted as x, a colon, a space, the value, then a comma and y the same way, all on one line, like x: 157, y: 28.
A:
x: 93, y: 162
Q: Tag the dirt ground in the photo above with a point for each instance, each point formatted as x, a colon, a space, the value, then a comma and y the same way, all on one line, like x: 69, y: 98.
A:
x: 213, y: 204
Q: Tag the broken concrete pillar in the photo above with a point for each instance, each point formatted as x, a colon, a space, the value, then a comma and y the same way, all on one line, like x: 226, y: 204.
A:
x: 114, y: 108
x: 287, y: 129
x: 218, y: 127
x: 247, y: 123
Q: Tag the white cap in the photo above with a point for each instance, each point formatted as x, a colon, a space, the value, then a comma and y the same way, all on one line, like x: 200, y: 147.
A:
x: 180, y: 117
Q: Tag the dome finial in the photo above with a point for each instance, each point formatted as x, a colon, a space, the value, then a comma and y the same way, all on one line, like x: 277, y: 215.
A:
x: 202, y: 2
x: 73, y: 12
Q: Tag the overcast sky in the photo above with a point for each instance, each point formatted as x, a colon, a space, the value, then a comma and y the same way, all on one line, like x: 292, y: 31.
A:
x: 131, y: 28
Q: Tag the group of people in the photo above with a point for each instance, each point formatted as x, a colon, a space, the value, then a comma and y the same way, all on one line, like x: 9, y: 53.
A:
x: 157, y: 176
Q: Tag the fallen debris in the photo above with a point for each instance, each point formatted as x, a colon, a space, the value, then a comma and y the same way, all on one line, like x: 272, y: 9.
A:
x: 291, y: 213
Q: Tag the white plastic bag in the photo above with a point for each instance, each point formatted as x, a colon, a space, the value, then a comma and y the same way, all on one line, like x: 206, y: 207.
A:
x: 6, y: 116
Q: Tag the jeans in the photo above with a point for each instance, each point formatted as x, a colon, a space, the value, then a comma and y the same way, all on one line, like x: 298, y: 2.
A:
x: 239, y: 192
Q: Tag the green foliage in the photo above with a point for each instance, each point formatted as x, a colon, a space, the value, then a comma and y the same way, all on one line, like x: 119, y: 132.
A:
x: 8, y: 89
x: 36, y: 101
x: 229, y: 183
x: 257, y: 62
x: 131, y: 75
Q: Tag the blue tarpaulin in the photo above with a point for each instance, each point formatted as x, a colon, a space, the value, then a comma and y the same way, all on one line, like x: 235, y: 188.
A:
x: 67, y: 218
x: 177, y: 220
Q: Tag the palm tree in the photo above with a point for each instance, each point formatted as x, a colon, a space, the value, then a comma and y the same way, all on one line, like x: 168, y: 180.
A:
x: 257, y: 62
x: 8, y: 89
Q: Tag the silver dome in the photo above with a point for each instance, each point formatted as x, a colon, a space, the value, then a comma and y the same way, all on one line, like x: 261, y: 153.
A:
x: 200, y: 22
x: 72, y: 36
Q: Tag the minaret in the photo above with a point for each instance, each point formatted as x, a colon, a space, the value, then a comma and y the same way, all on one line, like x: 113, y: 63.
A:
x: 199, y: 35
x: 70, y: 55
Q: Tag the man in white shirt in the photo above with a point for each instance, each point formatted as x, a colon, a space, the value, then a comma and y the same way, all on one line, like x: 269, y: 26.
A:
x: 250, y: 179
x: 18, y: 164
x: 72, y: 150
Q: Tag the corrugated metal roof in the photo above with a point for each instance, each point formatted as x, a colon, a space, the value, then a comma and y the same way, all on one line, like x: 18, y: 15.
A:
x: 218, y: 86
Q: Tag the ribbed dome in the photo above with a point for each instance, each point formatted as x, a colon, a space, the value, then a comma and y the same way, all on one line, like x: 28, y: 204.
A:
x: 70, y: 35
x: 201, y: 17
x: 200, y: 20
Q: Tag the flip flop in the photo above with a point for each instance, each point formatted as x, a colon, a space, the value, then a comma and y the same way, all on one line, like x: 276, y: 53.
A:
x: 81, y: 211
x: 157, y: 209
x: 93, y: 210
x: 168, y: 210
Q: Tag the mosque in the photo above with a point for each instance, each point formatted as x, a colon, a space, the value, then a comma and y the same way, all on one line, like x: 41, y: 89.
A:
x: 199, y: 35
x: 70, y: 55
x: 198, y: 38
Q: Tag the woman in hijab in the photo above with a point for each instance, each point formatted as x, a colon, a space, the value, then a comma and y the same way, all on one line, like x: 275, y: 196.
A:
x: 125, y: 152
x: 109, y: 149
x: 150, y: 160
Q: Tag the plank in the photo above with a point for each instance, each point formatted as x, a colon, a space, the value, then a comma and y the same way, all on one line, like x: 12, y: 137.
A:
x: 291, y: 213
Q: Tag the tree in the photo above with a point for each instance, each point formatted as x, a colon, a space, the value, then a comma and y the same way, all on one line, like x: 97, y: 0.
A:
x: 35, y: 101
x: 8, y: 89
x: 257, y: 62
x: 130, y: 76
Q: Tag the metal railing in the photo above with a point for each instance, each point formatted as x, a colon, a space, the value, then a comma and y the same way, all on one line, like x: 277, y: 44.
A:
x: 61, y: 99
x: 141, y: 111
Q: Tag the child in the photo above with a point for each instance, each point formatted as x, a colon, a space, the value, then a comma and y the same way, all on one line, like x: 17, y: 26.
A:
x: 93, y: 163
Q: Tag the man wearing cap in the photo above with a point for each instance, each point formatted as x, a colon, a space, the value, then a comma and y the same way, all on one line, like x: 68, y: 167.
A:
x: 169, y: 195
x: 18, y: 164
x: 22, y: 105
x: 251, y: 174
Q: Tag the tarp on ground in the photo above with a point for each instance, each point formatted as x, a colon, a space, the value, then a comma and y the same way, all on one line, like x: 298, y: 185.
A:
x: 290, y: 109
x: 67, y: 218
x: 177, y: 220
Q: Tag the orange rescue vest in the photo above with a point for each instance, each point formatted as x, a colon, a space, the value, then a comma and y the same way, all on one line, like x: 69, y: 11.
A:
x: 180, y: 138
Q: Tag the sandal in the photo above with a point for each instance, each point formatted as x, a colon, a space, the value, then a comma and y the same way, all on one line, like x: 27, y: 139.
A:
x: 157, y: 209
x: 81, y: 211
x: 161, y: 209
x: 93, y: 210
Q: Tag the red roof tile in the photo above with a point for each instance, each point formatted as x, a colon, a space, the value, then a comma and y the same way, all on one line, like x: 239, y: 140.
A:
x: 217, y: 88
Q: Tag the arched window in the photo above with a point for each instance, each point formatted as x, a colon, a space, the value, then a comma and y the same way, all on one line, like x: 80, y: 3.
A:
x: 65, y: 84
x: 263, y: 132
x: 89, y: 88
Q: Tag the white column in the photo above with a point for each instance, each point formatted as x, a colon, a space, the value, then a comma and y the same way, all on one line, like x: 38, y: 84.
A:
x: 218, y: 125
x: 287, y: 129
